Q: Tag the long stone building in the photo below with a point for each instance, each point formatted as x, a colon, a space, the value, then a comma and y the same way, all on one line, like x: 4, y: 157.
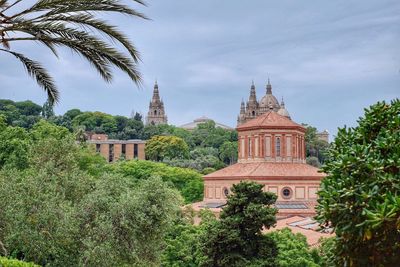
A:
x: 113, y: 150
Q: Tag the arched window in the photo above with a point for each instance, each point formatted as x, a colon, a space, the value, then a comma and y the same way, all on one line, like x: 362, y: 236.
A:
x: 155, y: 112
x: 253, y: 113
x: 278, y: 146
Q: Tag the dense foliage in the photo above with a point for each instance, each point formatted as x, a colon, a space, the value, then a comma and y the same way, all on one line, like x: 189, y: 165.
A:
x: 208, y: 146
x: 5, y: 262
x: 360, y: 197
x: 161, y: 147
x: 236, y: 239
x: 316, y: 149
x: 293, y: 250
x: 188, y: 182
x: 63, y: 205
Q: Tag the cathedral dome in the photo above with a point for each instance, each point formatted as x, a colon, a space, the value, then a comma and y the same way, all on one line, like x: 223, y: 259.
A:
x: 269, y: 101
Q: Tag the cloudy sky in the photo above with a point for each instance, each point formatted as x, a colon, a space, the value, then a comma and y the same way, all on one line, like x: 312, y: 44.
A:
x: 328, y: 59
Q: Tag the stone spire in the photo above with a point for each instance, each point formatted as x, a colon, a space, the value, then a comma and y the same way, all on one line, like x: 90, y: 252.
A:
x: 156, y: 114
x: 242, y: 109
x: 269, y: 87
x: 282, y: 103
x: 156, y: 93
x: 253, y: 97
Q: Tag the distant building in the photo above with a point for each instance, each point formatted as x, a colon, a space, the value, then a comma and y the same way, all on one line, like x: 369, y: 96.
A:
x: 324, y: 136
x: 156, y: 114
x: 192, y: 125
x: 112, y: 150
x: 255, y: 108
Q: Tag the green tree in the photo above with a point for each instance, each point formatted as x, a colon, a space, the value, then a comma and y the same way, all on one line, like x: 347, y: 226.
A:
x: 360, y: 196
x: 293, y: 250
x: 47, y: 110
x: 326, y: 251
x: 188, y: 182
x: 14, y: 146
x: 163, y: 147
x: 237, y: 239
x: 96, y: 121
x: 72, y: 24
x: 229, y: 152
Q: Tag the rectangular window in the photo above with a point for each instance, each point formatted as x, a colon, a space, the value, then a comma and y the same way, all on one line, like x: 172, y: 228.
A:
x: 135, y: 151
x: 98, y: 148
x: 288, y: 147
x: 242, y: 148
x: 123, y: 149
x: 111, y: 153
x: 268, y: 146
x: 278, y: 146
x: 249, y: 147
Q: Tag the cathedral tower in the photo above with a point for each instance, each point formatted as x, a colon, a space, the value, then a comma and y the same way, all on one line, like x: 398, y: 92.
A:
x: 256, y: 108
x: 156, y: 114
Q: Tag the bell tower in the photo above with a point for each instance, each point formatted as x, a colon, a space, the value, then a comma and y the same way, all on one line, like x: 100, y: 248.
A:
x: 156, y: 114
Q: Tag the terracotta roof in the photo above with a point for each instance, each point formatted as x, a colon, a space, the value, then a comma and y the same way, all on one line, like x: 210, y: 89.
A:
x: 270, y: 119
x: 304, y: 225
x: 265, y: 170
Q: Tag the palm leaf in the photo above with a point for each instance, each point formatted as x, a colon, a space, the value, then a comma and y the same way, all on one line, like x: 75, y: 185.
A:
x: 70, y: 23
x: 41, y: 76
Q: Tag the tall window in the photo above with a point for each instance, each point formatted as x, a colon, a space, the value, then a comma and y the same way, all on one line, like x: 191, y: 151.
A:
x: 135, y: 151
x: 123, y: 150
x: 98, y: 148
x: 278, y: 146
x: 111, y: 153
x: 250, y: 147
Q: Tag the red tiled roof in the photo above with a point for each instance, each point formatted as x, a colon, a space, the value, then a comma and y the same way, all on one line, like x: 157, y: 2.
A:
x: 262, y: 170
x: 270, y: 119
x: 299, y: 224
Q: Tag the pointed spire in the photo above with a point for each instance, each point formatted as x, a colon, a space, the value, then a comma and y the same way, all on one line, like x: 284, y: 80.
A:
x: 156, y: 93
x: 282, y: 103
x: 242, y: 108
x: 253, y: 97
x: 269, y: 87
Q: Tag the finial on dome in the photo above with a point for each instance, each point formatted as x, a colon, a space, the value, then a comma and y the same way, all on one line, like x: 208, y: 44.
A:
x: 282, y: 102
x: 269, y: 87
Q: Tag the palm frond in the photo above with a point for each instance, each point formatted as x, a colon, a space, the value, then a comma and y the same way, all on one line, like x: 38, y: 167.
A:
x: 73, y: 24
x: 54, y: 7
x: 41, y: 76
x: 102, y: 26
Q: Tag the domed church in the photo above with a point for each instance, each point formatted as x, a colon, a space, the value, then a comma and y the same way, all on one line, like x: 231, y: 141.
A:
x: 267, y: 103
x: 271, y: 151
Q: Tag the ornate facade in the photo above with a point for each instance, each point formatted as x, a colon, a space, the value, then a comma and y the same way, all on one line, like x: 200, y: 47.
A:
x: 156, y: 114
x: 256, y: 108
